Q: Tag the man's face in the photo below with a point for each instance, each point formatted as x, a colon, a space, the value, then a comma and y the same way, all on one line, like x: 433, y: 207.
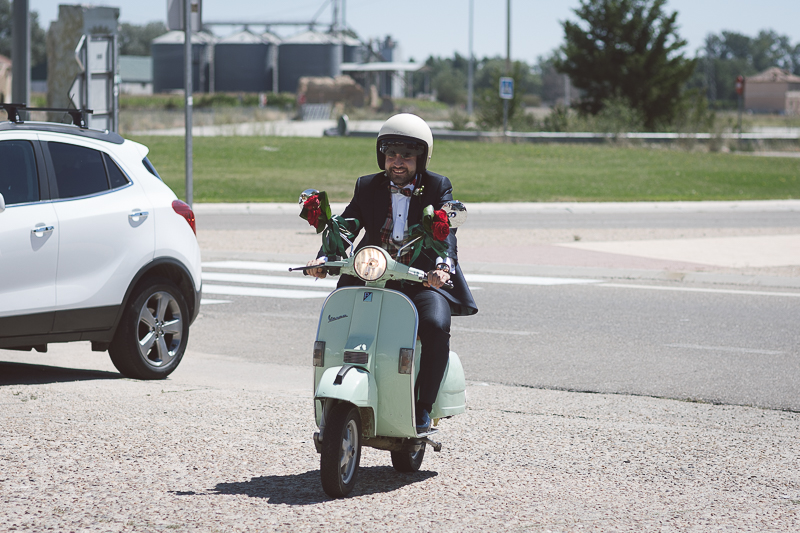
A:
x: 401, y: 160
x: 401, y: 170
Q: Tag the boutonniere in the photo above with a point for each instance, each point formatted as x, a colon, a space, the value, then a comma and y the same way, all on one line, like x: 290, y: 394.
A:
x: 418, y: 191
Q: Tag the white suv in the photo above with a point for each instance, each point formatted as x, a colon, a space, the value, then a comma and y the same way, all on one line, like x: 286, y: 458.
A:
x: 93, y: 247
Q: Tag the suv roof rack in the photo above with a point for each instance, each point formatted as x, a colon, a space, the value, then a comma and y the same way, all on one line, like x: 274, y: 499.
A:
x: 78, y: 115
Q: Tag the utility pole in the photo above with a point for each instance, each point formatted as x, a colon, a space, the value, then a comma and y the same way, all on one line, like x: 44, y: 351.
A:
x: 508, y: 61
x: 335, y: 22
x: 21, y: 53
x: 470, y: 72
x: 187, y: 74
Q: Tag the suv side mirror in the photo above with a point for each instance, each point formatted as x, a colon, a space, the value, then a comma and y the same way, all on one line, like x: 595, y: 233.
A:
x: 2, y: 203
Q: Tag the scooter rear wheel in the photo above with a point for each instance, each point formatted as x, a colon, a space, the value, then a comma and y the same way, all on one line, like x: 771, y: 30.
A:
x: 341, y: 450
x: 408, y: 461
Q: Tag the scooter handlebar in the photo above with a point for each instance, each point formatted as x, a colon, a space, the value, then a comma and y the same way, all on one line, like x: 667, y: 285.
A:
x: 423, y: 276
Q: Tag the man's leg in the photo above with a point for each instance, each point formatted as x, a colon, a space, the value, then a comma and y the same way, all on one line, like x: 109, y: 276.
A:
x: 434, y: 332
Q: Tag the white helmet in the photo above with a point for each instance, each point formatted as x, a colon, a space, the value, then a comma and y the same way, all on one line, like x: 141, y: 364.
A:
x: 411, y: 130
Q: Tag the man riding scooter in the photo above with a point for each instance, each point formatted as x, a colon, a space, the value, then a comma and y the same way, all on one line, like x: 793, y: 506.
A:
x: 386, y: 204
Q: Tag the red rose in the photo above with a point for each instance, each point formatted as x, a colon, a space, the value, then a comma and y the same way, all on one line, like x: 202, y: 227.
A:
x: 313, y: 212
x: 440, y: 225
x: 440, y: 230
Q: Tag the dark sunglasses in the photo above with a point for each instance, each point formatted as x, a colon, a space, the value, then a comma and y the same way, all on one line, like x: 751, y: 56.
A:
x: 392, y: 149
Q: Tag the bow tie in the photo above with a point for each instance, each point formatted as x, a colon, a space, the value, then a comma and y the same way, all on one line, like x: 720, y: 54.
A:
x: 394, y: 189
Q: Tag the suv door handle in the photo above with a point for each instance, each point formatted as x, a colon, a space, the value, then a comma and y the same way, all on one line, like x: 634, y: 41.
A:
x: 41, y: 230
x: 138, y: 214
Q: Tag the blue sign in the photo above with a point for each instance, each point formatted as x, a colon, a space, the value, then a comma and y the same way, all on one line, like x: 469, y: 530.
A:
x: 506, y: 88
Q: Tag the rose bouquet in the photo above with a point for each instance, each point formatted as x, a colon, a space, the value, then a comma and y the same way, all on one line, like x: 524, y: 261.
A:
x: 432, y: 233
x: 336, y: 231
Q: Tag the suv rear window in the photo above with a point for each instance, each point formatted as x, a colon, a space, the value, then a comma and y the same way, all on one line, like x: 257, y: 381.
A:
x: 19, y: 183
x: 82, y: 171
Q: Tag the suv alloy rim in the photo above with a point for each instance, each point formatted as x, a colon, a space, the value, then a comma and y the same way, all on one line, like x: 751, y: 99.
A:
x: 160, y: 329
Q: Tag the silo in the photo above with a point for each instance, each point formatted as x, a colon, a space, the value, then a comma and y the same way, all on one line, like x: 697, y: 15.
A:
x: 167, y: 52
x: 352, y: 50
x: 308, y: 54
x: 243, y: 63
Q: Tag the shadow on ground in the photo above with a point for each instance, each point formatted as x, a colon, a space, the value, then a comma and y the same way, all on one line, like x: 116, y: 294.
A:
x: 306, y: 488
x: 27, y: 374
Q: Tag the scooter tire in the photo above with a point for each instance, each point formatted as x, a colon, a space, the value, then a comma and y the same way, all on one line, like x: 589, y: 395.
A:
x: 341, y: 451
x: 408, y: 461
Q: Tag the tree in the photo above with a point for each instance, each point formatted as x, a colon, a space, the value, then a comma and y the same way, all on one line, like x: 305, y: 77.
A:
x: 38, y: 38
x: 730, y: 54
x: 135, y: 40
x: 448, y: 78
x: 626, y: 49
x: 490, y: 105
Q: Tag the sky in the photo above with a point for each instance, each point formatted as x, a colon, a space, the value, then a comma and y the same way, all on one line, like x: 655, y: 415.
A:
x: 441, y: 27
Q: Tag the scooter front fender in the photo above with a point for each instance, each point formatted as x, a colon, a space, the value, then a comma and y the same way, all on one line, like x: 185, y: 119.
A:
x: 356, y: 386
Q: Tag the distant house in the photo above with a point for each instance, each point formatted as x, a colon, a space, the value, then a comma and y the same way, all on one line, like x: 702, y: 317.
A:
x: 5, y: 79
x: 136, y: 75
x: 768, y: 92
x: 793, y: 103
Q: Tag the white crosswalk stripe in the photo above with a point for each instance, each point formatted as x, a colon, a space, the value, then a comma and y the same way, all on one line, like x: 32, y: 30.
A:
x: 263, y: 286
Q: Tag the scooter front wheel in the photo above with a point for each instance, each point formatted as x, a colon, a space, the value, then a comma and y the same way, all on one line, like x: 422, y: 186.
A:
x: 408, y: 461
x: 341, y: 450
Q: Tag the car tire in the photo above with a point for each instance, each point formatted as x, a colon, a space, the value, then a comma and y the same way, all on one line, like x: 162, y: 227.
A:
x: 151, y: 337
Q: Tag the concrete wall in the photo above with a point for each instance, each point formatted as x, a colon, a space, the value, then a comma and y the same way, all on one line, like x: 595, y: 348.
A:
x: 62, y: 38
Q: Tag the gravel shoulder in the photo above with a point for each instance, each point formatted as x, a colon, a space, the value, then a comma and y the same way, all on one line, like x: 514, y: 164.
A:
x: 225, y: 445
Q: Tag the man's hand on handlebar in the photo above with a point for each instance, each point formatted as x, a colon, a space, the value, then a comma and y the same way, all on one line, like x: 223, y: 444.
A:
x: 437, y: 279
x: 316, y: 272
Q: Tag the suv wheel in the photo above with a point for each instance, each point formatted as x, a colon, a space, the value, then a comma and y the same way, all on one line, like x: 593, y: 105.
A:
x: 153, y: 332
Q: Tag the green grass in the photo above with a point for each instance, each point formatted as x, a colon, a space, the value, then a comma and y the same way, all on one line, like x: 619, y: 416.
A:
x: 277, y: 169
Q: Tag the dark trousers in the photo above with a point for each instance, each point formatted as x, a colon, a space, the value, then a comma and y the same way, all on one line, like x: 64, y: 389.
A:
x: 434, y: 332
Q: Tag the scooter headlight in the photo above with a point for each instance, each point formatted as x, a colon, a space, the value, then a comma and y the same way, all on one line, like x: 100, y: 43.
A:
x: 370, y: 263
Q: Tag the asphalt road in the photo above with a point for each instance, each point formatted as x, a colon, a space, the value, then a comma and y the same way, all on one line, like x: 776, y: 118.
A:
x: 715, y: 341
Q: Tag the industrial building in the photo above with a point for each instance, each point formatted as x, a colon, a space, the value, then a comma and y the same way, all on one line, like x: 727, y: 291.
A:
x: 250, y: 62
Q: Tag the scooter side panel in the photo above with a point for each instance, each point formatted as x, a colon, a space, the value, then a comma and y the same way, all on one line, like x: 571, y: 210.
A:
x: 452, y: 397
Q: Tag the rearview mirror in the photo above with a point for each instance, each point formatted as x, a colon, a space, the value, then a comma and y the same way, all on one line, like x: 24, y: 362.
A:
x: 456, y: 212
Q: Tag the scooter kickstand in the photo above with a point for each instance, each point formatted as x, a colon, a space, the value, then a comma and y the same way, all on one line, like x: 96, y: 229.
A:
x: 437, y: 447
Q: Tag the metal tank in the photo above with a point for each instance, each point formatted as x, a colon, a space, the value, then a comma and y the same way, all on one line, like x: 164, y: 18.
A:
x: 310, y: 53
x: 353, y: 51
x: 167, y: 52
x: 244, y: 62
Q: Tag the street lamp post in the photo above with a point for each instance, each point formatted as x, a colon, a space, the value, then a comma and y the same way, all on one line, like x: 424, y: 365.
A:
x: 508, y: 61
x: 470, y: 74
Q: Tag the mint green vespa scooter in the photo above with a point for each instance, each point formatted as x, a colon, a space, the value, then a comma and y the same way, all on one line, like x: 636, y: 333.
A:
x: 366, y: 358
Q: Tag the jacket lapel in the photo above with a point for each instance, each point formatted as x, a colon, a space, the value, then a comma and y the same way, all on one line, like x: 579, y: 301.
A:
x: 415, y: 206
x: 382, y: 203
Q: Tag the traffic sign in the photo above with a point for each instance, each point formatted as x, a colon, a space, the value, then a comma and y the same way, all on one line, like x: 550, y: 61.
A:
x: 506, y: 88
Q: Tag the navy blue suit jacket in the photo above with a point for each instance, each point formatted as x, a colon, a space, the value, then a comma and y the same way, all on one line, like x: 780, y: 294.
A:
x: 370, y: 205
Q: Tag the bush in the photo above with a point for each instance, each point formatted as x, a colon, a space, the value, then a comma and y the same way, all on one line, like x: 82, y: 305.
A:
x: 557, y: 120
x: 205, y: 101
x: 618, y: 116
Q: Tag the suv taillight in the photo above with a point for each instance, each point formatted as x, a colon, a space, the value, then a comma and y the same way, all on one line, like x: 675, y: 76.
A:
x: 186, y: 212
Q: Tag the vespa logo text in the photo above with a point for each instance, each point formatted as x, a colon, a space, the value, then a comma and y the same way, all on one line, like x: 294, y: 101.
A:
x: 334, y: 318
